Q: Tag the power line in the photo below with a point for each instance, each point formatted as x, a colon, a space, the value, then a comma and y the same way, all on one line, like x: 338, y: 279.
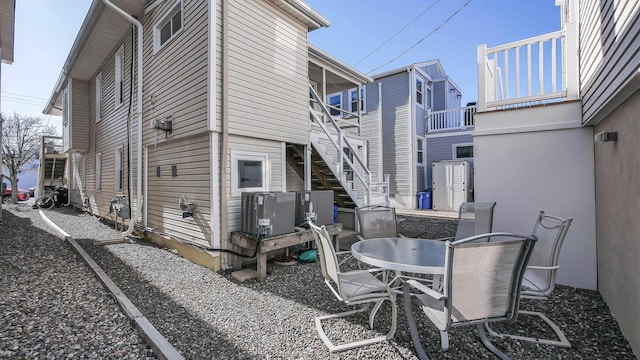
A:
x: 421, y: 40
x: 398, y: 32
x: 23, y: 102
x: 14, y: 98
x: 21, y: 95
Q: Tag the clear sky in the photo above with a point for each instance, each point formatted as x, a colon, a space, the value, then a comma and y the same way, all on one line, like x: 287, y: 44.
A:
x: 45, y: 31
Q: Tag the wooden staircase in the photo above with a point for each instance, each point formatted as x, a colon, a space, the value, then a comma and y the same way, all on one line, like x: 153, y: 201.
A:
x: 322, y: 178
x: 53, y: 162
x: 335, y: 162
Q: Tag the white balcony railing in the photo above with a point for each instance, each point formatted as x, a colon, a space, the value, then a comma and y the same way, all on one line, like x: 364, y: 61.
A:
x: 451, y: 119
x: 535, y: 70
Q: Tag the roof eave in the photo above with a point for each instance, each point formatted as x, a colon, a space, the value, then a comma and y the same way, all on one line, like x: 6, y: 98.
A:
x: 313, y: 19
x: 7, y: 29
x: 91, y: 22
x: 354, y: 74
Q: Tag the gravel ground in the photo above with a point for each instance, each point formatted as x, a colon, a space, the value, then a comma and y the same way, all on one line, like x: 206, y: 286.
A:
x: 208, y: 315
x: 51, y: 304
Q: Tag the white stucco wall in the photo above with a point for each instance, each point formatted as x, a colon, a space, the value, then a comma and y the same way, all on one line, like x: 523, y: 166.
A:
x: 539, y: 158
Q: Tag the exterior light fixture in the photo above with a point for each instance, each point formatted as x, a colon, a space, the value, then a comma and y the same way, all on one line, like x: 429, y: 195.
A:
x: 605, y: 136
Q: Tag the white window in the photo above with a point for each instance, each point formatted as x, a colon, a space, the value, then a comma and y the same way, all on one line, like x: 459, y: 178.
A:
x: 353, y: 100
x: 99, y: 171
x: 420, y: 150
x: 99, y: 96
x: 119, y: 174
x: 119, y: 76
x: 419, y: 92
x: 335, y: 102
x: 249, y: 172
x: 168, y: 26
x: 463, y: 151
x: 429, y: 97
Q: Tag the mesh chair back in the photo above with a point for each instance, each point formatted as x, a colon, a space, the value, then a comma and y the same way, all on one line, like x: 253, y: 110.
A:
x: 550, y: 232
x: 482, y: 279
x: 377, y: 222
x: 474, y: 219
x: 328, y: 259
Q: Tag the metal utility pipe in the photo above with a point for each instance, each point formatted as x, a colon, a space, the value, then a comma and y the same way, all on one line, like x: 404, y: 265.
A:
x: 138, y: 25
x: 225, y: 132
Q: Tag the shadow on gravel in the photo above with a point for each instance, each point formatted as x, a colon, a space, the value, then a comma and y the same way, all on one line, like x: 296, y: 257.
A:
x: 191, y: 336
x: 582, y: 314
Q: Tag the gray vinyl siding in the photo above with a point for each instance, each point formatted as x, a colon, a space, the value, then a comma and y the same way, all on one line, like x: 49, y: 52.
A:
x: 421, y: 111
x: 110, y: 132
x: 268, y: 80
x: 370, y: 130
x: 452, y: 100
x: 441, y: 148
x: 420, y: 177
x: 601, y: 76
x: 439, y: 95
x: 175, y: 83
x: 176, y: 76
x: 79, y: 115
x: 193, y: 180
x: 66, y: 125
x: 397, y: 132
x: 260, y: 146
x: 433, y: 71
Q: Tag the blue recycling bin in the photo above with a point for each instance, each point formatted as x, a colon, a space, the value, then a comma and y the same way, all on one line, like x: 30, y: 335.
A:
x: 424, y: 200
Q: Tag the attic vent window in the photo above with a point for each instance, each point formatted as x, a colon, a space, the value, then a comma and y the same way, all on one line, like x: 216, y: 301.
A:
x: 168, y: 27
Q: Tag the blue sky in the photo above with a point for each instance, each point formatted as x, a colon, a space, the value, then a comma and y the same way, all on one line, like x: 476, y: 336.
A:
x: 45, y: 31
x: 360, y: 26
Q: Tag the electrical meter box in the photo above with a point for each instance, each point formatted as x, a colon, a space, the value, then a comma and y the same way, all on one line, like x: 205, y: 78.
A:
x: 317, y: 204
x: 266, y: 214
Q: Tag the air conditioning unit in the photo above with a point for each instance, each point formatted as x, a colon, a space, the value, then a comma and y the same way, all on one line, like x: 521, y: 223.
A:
x: 266, y: 214
x: 317, y: 204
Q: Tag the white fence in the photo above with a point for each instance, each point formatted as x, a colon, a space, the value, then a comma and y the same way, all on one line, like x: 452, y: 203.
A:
x: 535, y: 70
x: 451, y: 119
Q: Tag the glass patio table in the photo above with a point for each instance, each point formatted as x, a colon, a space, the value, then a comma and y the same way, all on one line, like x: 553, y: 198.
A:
x: 402, y: 254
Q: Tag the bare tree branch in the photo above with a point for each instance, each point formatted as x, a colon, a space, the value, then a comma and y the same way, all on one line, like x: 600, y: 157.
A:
x: 21, y: 145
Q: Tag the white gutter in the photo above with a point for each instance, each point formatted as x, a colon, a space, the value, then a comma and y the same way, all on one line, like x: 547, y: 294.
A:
x: 138, y: 25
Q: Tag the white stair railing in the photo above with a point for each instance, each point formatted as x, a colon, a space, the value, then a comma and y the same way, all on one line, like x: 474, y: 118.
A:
x: 362, y: 179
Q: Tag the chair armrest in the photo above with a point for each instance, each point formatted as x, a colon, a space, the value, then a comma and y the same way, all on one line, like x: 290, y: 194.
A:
x: 444, y: 238
x: 344, y: 252
x: 543, y: 267
x: 427, y: 291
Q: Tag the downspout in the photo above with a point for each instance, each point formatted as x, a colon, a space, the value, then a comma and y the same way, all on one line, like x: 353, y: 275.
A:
x: 414, y: 141
x: 224, y: 241
x: 138, y: 25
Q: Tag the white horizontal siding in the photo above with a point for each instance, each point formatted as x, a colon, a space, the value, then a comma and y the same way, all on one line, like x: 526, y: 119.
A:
x: 276, y: 158
x: 80, y: 115
x: 192, y: 181
x: 268, y: 80
x: 176, y: 77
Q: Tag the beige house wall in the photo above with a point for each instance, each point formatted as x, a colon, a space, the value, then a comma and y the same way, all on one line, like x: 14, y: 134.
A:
x: 540, y: 159
x: 617, y: 172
